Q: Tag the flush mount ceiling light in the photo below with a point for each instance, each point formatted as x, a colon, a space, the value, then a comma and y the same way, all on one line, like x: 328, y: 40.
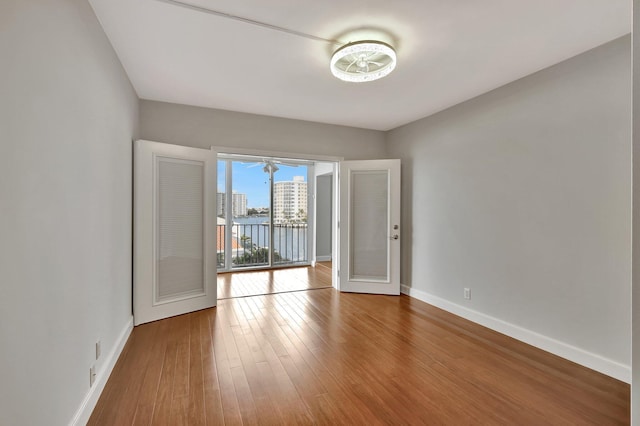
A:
x: 362, y: 61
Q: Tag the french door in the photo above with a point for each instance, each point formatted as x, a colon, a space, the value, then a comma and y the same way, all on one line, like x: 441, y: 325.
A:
x: 264, y: 212
x: 174, y: 230
x: 175, y: 252
x: 370, y: 226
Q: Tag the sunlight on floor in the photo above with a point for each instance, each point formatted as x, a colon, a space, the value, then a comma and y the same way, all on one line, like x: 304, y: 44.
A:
x: 253, y: 283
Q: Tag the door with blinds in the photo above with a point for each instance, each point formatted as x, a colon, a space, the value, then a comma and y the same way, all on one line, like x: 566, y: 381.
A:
x: 174, y: 230
x: 370, y: 226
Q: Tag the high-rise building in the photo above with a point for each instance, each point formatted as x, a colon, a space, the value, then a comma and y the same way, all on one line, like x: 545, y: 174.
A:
x: 238, y: 204
x: 290, y: 200
x: 220, y: 204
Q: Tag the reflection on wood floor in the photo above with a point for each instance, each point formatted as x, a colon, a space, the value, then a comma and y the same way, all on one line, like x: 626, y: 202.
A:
x: 254, y: 283
x: 329, y: 358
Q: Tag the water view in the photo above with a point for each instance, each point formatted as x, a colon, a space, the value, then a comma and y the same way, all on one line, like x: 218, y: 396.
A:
x: 250, y: 242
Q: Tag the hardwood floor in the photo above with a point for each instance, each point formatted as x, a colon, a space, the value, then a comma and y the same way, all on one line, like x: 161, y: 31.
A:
x: 322, y: 357
x: 254, y: 283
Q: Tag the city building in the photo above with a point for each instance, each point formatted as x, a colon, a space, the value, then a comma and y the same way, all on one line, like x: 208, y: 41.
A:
x: 220, y: 204
x: 238, y: 204
x: 290, y: 200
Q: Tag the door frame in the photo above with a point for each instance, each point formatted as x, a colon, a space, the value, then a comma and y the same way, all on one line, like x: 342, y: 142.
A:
x: 335, y: 196
x: 229, y: 160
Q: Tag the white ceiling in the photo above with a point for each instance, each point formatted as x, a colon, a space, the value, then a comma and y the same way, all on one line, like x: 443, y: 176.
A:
x: 448, y: 51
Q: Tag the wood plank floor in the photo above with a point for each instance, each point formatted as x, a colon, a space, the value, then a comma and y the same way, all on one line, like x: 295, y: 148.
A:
x: 254, y: 283
x: 322, y: 357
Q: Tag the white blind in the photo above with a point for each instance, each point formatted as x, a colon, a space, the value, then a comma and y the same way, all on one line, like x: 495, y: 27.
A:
x: 180, y: 228
x: 369, y: 222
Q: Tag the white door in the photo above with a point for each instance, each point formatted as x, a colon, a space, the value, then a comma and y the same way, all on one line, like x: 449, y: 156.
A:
x: 174, y: 230
x: 370, y: 226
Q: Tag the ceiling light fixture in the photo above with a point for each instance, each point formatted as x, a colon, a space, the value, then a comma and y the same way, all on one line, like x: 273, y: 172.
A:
x: 362, y: 61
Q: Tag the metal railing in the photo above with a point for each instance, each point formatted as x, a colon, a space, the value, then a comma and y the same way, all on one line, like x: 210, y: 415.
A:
x: 290, y: 243
x: 220, y: 237
x: 250, y: 244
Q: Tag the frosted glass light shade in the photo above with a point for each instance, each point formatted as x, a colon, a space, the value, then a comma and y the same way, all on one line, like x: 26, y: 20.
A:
x: 363, y: 61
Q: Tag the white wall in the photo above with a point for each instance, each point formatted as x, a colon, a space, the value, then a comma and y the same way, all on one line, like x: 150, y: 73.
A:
x: 204, y: 127
x: 324, y: 216
x: 524, y: 195
x: 635, y: 383
x: 67, y: 117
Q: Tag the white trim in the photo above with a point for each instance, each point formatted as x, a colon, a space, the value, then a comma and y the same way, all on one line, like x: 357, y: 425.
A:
x: 275, y: 154
x: 261, y: 158
x: 323, y: 258
x: 335, y: 228
x: 580, y: 356
x: 91, y: 398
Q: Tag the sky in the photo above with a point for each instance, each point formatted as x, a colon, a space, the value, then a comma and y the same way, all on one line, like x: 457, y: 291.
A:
x: 250, y: 178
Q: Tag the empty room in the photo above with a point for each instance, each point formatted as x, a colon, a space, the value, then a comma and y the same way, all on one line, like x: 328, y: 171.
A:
x: 303, y: 212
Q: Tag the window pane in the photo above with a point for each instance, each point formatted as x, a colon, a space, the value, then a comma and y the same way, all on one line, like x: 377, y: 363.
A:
x: 220, y: 212
x: 368, y: 222
x: 290, y: 201
x: 250, y: 210
x: 180, y: 228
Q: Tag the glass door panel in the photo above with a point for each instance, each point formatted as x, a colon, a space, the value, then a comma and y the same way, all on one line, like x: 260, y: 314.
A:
x: 290, y: 208
x: 260, y: 201
x: 249, y: 202
x: 369, y: 217
x: 221, y: 226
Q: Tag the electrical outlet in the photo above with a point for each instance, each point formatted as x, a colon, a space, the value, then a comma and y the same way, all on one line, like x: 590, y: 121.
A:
x: 467, y: 293
x: 92, y: 375
x: 98, y: 349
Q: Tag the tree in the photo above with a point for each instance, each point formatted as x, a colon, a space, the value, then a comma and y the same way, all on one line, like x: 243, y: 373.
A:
x: 245, y: 240
x: 255, y: 256
x: 301, y: 215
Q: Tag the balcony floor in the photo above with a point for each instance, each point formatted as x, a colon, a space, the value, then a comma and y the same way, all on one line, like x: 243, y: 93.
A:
x: 255, y: 283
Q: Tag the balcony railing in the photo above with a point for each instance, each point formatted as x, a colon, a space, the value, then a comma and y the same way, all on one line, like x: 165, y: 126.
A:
x: 250, y: 245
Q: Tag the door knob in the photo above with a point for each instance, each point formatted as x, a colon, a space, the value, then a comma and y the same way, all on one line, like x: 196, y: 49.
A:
x: 395, y: 237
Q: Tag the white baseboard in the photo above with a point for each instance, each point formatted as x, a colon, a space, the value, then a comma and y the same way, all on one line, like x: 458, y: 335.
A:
x: 91, y: 399
x: 323, y: 258
x: 590, y: 360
